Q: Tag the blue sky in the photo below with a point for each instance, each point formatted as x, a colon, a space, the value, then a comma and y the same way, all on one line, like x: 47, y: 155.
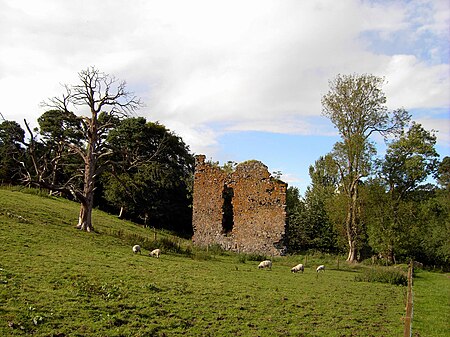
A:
x: 237, y: 80
x: 281, y: 152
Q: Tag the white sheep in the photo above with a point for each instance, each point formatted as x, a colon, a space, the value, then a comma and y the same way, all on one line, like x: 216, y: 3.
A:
x: 298, y: 268
x: 156, y: 253
x: 265, y: 264
x: 320, y: 268
x: 137, y: 249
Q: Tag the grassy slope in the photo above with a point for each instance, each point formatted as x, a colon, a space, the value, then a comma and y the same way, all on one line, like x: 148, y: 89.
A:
x: 57, y: 281
x: 431, y: 315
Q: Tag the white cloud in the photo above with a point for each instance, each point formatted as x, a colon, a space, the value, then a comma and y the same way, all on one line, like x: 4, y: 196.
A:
x: 414, y: 84
x: 245, y: 65
x: 431, y: 15
x: 441, y: 125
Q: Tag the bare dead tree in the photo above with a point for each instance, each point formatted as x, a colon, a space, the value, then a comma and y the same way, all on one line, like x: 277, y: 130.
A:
x: 98, y: 101
x: 42, y: 172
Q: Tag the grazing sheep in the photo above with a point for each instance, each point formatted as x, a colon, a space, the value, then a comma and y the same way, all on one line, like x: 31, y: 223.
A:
x: 137, y: 249
x: 156, y: 253
x: 265, y: 264
x: 320, y: 268
x: 298, y: 268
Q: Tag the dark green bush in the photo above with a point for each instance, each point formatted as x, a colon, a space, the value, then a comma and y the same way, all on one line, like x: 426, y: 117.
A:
x: 256, y: 257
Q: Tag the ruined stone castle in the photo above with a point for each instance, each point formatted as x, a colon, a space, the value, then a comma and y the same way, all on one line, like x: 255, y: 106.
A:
x: 243, y: 210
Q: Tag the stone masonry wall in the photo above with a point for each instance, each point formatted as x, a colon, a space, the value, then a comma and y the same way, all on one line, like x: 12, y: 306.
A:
x: 207, y: 217
x: 257, y: 202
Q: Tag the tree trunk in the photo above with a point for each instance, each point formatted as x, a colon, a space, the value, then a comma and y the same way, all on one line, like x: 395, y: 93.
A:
x: 352, y: 222
x: 85, y: 218
x: 87, y: 204
x: 351, y: 236
x: 390, y: 254
x: 352, y: 251
x: 81, y: 217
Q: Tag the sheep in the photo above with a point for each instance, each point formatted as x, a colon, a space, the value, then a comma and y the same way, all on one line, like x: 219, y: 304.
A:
x: 155, y: 252
x: 137, y: 249
x: 298, y: 268
x: 265, y: 264
x: 320, y: 268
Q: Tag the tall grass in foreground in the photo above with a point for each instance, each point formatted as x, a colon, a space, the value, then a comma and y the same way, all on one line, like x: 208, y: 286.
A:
x: 57, y: 281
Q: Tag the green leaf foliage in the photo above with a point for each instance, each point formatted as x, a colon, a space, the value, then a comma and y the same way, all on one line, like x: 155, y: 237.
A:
x: 11, y: 152
x: 151, y: 174
x: 356, y: 105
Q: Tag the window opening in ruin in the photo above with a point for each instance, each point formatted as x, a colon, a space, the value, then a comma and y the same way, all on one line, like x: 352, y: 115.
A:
x: 227, y: 210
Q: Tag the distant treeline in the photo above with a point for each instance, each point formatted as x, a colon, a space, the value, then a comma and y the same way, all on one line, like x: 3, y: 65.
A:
x: 392, y: 231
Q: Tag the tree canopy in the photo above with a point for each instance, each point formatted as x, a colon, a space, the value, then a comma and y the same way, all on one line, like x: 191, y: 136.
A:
x: 151, y: 172
x: 355, y: 104
x: 11, y: 151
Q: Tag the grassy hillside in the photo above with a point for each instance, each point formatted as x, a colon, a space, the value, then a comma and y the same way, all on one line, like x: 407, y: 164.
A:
x: 58, y: 281
x: 431, y: 304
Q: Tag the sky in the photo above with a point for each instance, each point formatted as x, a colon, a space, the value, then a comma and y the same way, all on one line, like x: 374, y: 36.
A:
x: 236, y: 79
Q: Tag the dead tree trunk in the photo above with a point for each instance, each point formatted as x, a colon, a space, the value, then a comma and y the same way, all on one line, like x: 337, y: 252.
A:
x: 90, y: 161
x: 85, y: 216
x: 121, y: 212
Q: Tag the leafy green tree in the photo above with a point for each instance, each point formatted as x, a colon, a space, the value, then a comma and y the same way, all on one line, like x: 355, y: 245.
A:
x: 324, y: 173
x: 11, y: 151
x: 59, y: 163
x: 435, y: 220
x: 297, y: 238
x: 355, y: 104
x: 382, y: 235
x: 395, y: 202
x: 410, y: 159
x: 443, y: 173
x: 309, y: 224
x: 324, y: 184
x: 151, y: 174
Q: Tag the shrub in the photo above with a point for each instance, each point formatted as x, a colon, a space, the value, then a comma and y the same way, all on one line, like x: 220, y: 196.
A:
x: 167, y: 244
x: 241, y: 258
x: 256, y: 257
x: 216, y: 249
x: 201, y: 255
x: 383, y: 275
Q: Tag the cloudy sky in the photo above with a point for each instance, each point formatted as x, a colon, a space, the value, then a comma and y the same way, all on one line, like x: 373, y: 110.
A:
x: 237, y: 80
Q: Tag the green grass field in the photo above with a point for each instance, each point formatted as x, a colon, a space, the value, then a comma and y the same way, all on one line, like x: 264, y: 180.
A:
x: 431, y: 304
x: 58, y: 281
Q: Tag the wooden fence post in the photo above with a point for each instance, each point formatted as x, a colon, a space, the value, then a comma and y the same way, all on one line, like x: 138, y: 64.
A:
x: 409, y: 303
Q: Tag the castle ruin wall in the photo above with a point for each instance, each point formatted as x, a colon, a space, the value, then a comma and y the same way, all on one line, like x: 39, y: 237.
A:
x: 242, y: 211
